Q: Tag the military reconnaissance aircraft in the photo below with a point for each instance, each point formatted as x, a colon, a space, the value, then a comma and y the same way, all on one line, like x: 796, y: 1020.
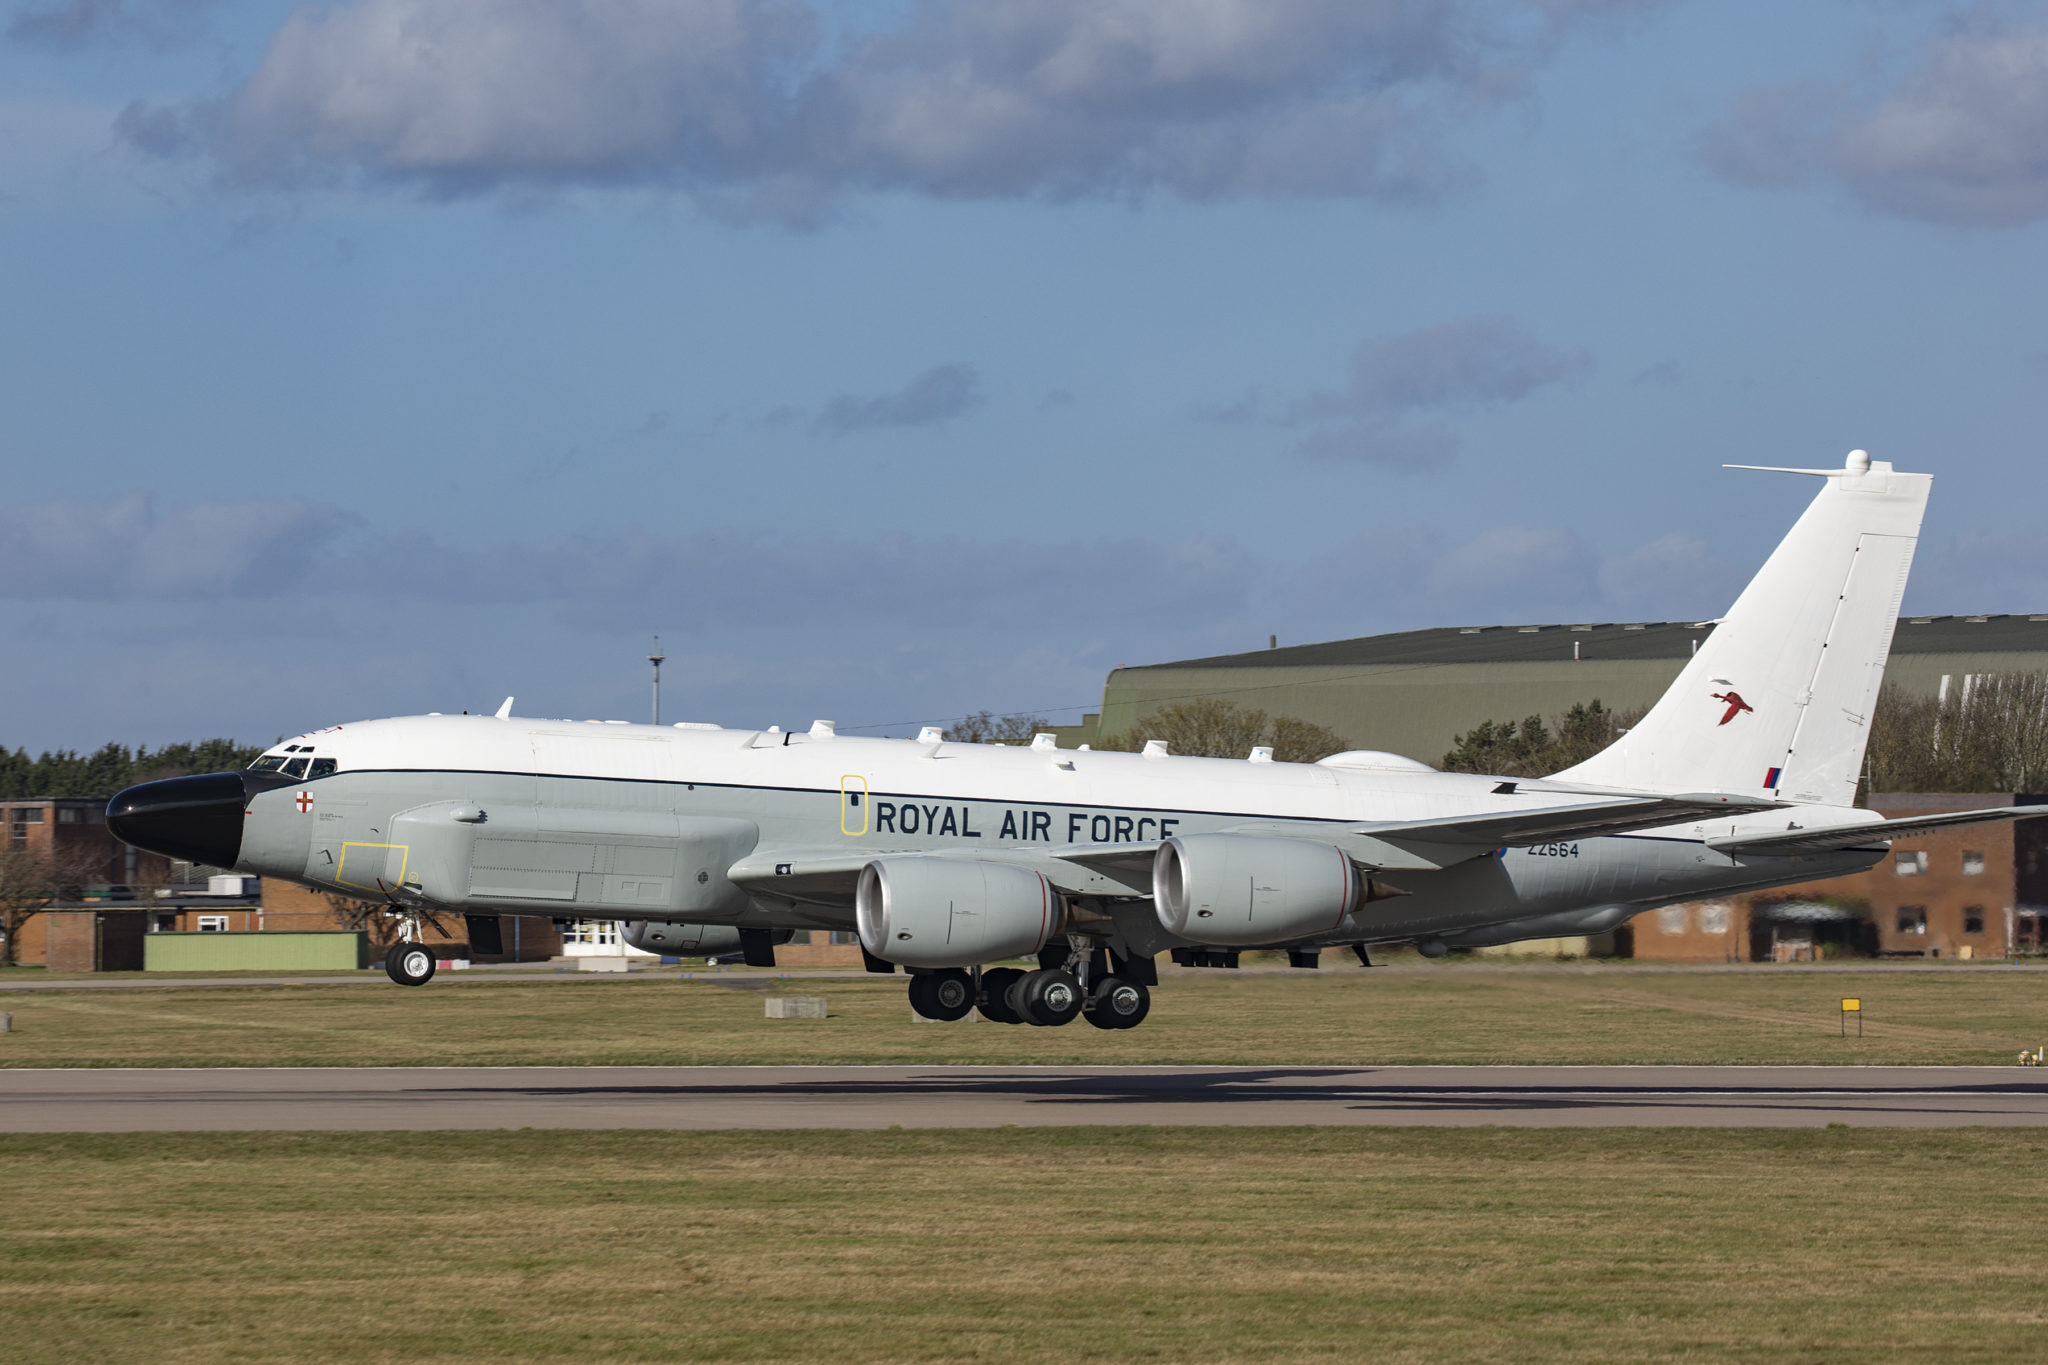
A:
x: 947, y: 857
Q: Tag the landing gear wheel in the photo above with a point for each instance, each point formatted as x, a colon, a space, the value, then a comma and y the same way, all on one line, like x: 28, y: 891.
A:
x: 409, y: 964
x: 1047, y: 998
x: 946, y: 995
x: 1118, y: 1002
x: 995, y: 990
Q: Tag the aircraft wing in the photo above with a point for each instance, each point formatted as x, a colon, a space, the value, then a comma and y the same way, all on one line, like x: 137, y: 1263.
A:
x: 814, y: 877
x: 1863, y: 836
x: 829, y: 877
x: 1552, y: 824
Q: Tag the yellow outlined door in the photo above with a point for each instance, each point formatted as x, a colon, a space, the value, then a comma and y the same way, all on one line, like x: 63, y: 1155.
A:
x: 853, y: 804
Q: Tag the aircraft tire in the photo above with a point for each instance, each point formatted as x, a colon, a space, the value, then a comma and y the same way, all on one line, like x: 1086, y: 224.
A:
x: 1048, y: 998
x: 995, y: 987
x: 409, y: 964
x: 946, y: 995
x: 1118, y: 1002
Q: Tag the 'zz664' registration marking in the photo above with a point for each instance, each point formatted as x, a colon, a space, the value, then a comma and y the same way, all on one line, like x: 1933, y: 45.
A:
x: 1553, y: 850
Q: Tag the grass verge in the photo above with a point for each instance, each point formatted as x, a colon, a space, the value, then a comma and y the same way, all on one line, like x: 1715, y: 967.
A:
x: 1150, y: 1244
x: 1333, y: 1017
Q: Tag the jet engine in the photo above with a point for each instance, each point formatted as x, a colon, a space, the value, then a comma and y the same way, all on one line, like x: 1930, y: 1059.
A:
x: 922, y: 911
x: 1242, y: 889
x: 680, y: 940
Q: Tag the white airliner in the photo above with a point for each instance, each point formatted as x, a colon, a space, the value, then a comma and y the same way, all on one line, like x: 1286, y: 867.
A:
x: 947, y: 856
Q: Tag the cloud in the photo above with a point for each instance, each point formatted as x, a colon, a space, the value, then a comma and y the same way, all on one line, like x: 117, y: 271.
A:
x: 758, y: 108
x: 1405, y: 448
x: 938, y: 395
x: 123, y: 548
x: 1478, y: 362
x: 1963, y: 139
x: 1468, y: 365
x: 72, y: 24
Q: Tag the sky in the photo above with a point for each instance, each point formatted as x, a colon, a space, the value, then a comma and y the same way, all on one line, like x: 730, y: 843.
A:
x: 893, y: 361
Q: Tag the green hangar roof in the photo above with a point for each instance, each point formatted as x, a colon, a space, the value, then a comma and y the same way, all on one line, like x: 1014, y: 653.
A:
x: 1415, y: 691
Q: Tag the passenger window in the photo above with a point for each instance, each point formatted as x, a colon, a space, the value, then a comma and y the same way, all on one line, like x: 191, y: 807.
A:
x: 321, y: 767
x: 295, y: 768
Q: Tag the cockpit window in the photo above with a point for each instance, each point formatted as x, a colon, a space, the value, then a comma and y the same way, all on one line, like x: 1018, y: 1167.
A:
x: 296, y: 767
x: 267, y: 764
x: 321, y: 767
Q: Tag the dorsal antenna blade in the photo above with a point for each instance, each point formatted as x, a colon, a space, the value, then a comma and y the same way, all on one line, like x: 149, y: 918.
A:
x: 505, y: 712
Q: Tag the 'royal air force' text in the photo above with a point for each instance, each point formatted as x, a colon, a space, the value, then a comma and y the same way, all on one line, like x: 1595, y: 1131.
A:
x: 1022, y: 826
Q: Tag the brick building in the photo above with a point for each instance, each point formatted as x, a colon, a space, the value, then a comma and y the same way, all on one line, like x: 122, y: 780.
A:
x: 1976, y: 891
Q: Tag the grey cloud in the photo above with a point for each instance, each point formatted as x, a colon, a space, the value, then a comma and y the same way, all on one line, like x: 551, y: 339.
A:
x: 71, y: 24
x: 124, y: 548
x: 938, y: 395
x: 1411, y: 576
x: 1461, y: 366
x: 1479, y: 362
x: 1963, y: 140
x: 742, y: 103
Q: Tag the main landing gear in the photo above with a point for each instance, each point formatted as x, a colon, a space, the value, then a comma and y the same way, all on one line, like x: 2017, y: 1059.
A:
x: 1048, y: 997
x: 409, y: 964
x: 946, y: 995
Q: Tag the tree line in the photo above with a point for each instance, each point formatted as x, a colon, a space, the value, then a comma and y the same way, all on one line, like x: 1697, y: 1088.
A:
x: 1207, y: 728
x: 1987, y: 733
x: 100, y: 774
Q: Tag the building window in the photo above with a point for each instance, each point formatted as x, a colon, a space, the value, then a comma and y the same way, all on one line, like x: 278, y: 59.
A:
x: 1912, y: 864
x: 213, y: 924
x: 1671, y: 919
x: 1973, y: 864
x: 843, y: 936
x: 1714, y: 918
x: 1973, y: 919
x: 801, y: 937
x: 1912, y: 919
x: 602, y: 933
x: 31, y: 814
x: 67, y: 815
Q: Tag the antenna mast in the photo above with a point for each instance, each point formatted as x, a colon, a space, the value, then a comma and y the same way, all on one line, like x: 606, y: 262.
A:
x: 655, y: 658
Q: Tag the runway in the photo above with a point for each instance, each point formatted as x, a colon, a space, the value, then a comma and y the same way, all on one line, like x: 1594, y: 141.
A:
x: 421, y: 1098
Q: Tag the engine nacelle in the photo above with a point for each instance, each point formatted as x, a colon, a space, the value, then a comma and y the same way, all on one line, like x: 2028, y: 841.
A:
x: 1246, y: 889
x: 680, y: 940
x: 922, y: 911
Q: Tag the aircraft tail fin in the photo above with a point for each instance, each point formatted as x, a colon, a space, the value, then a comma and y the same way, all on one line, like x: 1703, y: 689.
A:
x: 1777, y: 701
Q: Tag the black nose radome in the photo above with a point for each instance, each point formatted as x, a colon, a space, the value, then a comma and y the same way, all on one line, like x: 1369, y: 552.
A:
x: 198, y: 819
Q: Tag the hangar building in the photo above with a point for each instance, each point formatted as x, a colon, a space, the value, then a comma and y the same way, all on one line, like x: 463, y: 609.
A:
x: 1414, y: 692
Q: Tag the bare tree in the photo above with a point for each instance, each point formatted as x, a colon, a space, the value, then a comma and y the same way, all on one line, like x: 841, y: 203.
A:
x: 1212, y: 728
x: 369, y: 917
x: 986, y: 727
x: 1988, y: 732
x: 30, y: 882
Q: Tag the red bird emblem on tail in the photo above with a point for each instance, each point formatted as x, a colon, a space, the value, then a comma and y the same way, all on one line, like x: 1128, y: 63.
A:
x: 1735, y: 703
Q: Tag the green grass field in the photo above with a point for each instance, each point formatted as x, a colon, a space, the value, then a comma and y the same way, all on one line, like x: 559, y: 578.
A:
x: 1145, y: 1244
x: 1334, y: 1017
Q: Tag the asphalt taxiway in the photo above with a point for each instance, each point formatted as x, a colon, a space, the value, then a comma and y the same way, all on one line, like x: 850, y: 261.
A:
x: 421, y: 1098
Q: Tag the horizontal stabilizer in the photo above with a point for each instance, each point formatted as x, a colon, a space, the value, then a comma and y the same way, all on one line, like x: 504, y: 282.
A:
x: 1863, y: 836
